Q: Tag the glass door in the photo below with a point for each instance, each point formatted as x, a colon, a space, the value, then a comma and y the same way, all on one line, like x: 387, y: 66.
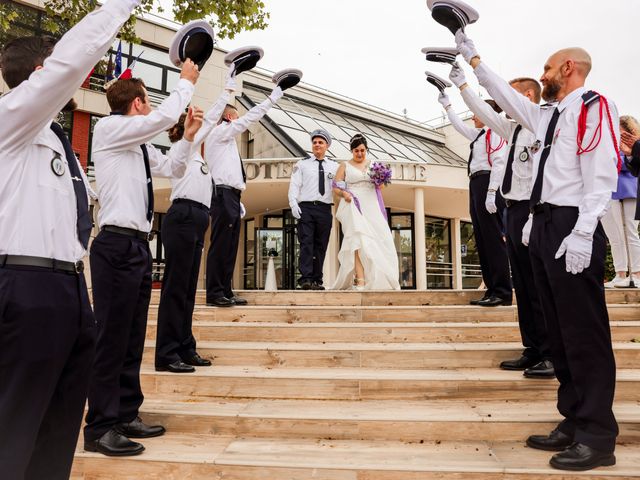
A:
x: 402, y: 230
x: 269, y: 244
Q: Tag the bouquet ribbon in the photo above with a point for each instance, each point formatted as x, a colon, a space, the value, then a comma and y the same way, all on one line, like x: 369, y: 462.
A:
x: 381, y: 203
x: 341, y: 185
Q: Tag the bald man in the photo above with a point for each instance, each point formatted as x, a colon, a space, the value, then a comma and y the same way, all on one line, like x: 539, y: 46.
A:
x: 571, y: 189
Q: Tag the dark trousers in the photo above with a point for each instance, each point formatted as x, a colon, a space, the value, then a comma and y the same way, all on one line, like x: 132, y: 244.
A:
x: 488, y: 232
x: 121, y: 278
x: 577, y: 322
x: 530, y: 316
x: 225, y: 235
x: 314, y: 230
x: 183, y: 231
x: 47, y: 341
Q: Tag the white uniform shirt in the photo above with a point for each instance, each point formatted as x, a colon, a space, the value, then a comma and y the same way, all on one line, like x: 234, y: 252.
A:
x: 584, y: 181
x: 38, y: 213
x: 196, y: 184
x: 480, y: 159
x: 119, y: 165
x: 304, y: 181
x: 521, y: 182
x: 221, y: 150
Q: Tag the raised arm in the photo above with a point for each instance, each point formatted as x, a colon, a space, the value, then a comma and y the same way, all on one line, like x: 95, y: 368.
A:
x: 517, y: 106
x: 34, y: 103
x: 244, y: 122
x: 469, y: 133
x: 498, y: 163
x: 213, y: 115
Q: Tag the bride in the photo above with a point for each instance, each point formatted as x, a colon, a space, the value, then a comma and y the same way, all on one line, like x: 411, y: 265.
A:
x: 368, y: 259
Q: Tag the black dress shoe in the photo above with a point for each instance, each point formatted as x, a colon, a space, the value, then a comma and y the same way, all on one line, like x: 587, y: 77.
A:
x: 478, y: 300
x: 544, y: 369
x: 220, y: 302
x: 492, y: 302
x: 521, y: 363
x: 238, y: 300
x: 138, y: 429
x: 580, y: 457
x: 306, y: 285
x: 317, y: 286
x: 176, y: 367
x: 197, y: 361
x: 114, y: 444
x: 556, y: 441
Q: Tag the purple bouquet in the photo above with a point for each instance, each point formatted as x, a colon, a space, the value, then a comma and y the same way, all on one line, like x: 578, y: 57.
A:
x: 380, y: 174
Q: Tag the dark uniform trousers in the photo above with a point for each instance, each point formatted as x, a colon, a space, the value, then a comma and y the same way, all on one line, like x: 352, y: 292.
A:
x: 47, y: 342
x: 225, y: 235
x: 530, y: 316
x: 121, y: 278
x: 577, y: 322
x: 314, y: 230
x: 183, y: 232
x: 488, y: 232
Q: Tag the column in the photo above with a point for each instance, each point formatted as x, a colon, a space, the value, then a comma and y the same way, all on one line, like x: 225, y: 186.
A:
x: 419, y: 240
x: 456, y: 253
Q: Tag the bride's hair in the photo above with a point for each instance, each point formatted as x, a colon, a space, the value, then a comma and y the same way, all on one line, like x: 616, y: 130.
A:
x: 357, y: 140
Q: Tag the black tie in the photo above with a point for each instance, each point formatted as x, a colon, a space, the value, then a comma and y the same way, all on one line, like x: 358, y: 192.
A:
x: 147, y: 171
x: 506, y: 181
x: 83, y: 223
x: 482, y: 132
x: 536, y: 193
x: 320, y: 177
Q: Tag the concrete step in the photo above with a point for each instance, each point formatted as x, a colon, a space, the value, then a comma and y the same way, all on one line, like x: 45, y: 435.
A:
x: 380, y: 332
x: 199, y: 457
x: 373, y: 355
x: 409, y: 421
x: 362, y: 384
x: 385, y: 297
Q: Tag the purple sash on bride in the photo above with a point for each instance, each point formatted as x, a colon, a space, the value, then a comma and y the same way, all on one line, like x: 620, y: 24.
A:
x: 381, y: 203
x: 342, y: 185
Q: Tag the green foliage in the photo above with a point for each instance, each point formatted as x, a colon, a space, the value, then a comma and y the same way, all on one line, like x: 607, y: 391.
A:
x: 228, y: 17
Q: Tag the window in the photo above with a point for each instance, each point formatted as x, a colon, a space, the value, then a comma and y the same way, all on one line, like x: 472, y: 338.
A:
x: 438, y: 253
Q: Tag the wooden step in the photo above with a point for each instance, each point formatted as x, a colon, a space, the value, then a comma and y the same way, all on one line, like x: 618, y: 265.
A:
x: 383, y: 332
x: 404, y: 297
x: 413, y: 421
x: 374, y: 355
x: 362, y: 383
x: 199, y: 457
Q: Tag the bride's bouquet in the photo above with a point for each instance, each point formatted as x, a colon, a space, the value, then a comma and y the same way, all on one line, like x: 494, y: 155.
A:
x: 380, y: 174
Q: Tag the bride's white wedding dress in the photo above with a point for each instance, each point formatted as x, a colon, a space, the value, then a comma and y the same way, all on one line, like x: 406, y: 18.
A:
x: 369, y: 233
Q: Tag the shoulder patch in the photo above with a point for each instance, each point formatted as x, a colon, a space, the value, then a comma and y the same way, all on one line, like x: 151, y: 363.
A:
x: 589, y: 97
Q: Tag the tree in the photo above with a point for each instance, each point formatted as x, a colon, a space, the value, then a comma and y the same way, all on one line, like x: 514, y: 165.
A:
x: 228, y: 17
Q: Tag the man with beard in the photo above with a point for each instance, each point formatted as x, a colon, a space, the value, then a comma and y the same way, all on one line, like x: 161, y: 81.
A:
x: 47, y: 329
x: 571, y: 191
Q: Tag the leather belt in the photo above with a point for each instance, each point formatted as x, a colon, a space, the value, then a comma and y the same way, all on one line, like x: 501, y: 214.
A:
x: 511, y: 203
x: 545, y: 208
x: 41, y: 262
x: 315, y: 202
x: 479, y: 173
x: 193, y: 203
x: 129, y: 232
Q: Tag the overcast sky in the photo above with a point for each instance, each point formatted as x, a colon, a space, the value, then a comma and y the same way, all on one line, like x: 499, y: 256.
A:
x: 370, y: 50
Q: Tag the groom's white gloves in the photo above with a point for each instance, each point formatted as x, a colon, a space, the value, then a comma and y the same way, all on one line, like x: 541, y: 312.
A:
x: 576, y: 247
x: 276, y: 95
x: 457, y: 75
x: 443, y: 98
x: 465, y: 46
x: 526, y: 231
x: 230, y: 80
x: 295, y: 210
x: 490, y: 202
x: 243, y: 210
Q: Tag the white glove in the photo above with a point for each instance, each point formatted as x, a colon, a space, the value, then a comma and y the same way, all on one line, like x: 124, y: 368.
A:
x: 243, y: 211
x: 576, y: 247
x: 443, y: 98
x: 295, y: 210
x: 230, y: 80
x: 490, y: 202
x: 526, y: 231
x: 276, y: 95
x: 466, y: 47
x: 457, y: 75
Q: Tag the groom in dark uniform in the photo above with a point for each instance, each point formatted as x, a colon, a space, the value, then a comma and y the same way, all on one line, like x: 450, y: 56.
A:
x: 310, y: 199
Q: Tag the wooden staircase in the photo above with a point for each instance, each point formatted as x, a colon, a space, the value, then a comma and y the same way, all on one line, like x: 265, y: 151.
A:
x: 362, y: 386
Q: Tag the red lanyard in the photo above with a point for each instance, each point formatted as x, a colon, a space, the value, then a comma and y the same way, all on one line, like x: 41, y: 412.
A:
x: 597, y: 134
x: 490, y: 150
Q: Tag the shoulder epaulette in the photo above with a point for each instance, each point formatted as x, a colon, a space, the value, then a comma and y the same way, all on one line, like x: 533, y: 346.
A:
x: 589, y: 97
